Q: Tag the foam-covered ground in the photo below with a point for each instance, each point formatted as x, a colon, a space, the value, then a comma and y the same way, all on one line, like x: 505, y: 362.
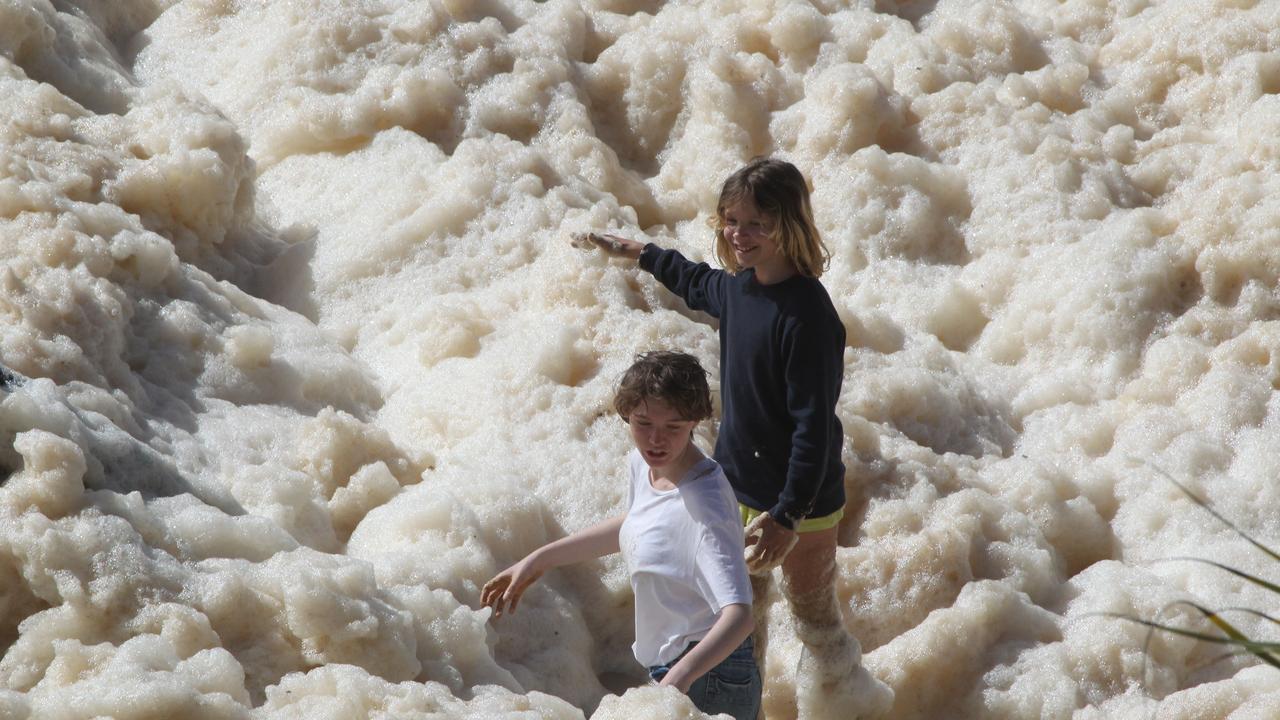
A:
x: 298, y: 355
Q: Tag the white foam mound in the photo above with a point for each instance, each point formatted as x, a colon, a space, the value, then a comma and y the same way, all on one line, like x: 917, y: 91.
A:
x: 296, y: 352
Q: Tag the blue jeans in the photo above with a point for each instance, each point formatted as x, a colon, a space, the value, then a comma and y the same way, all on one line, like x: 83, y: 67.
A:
x: 732, y: 687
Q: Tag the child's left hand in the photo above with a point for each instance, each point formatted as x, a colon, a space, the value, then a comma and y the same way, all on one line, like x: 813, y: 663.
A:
x: 768, y: 544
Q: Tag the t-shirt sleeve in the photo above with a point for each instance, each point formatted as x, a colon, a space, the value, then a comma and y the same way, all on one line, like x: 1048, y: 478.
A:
x: 698, y: 284
x: 721, y: 570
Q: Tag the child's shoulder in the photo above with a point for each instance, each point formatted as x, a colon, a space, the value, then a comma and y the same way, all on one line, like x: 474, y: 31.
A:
x: 707, y: 469
x: 810, y: 305
x: 808, y: 289
x: 712, y: 486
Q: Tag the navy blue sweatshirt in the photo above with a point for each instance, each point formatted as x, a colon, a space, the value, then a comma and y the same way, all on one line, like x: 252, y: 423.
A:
x: 781, y: 365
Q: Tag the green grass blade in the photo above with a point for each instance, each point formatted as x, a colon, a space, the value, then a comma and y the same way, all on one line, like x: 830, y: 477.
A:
x: 1217, y: 639
x: 1251, y: 611
x: 1238, y: 573
x: 1209, y: 509
x: 1260, y: 650
x: 1264, y: 651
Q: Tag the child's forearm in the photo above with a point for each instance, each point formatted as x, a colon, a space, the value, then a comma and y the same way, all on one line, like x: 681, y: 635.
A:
x: 504, y: 591
x: 731, y: 628
x: 587, y: 544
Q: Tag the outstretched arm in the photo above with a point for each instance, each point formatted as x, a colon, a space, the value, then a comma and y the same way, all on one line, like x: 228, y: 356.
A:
x: 697, y: 283
x: 504, y: 591
x: 730, y: 629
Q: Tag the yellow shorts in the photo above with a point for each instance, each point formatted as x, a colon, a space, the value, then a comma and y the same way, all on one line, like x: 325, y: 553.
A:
x: 807, y: 525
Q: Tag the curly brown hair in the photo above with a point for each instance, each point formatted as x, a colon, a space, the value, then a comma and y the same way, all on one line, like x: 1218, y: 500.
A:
x: 675, y: 378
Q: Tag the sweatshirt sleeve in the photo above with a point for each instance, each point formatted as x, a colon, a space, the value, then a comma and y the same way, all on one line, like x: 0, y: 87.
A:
x: 698, y: 284
x: 813, y: 364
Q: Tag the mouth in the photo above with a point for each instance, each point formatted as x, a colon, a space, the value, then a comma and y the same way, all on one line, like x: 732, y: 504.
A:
x: 656, y: 455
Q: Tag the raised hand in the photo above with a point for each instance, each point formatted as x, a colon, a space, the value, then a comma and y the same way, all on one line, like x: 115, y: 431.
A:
x: 614, y: 245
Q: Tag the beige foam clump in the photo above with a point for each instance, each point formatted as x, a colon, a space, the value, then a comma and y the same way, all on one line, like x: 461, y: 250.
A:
x: 355, y: 464
x: 1109, y: 649
x: 303, y: 609
x: 308, y: 358
x: 845, y: 108
x: 328, y: 39
x: 15, y: 705
x: 144, y: 677
x: 962, y: 631
x: 664, y: 702
x: 463, y: 525
x: 51, y: 480
x: 189, y: 180
x: 277, y: 616
x: 339, y: 691
x: 250, y: 346
x: 877, y: 205
x: 1249, y: 695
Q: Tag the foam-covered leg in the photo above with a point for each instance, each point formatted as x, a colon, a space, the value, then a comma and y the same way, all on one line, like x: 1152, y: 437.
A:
x: 830, y: 680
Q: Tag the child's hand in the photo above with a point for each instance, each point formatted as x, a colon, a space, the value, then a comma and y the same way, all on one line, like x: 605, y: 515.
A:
x: 767, y: 544
x: 614, y: 245
x: 503, y: 592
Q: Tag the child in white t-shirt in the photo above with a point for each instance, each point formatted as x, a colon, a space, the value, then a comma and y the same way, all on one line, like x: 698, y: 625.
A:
x: 682, y: 540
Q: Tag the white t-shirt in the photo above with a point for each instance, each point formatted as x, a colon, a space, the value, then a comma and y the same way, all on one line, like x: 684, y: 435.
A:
x: 683, y: 548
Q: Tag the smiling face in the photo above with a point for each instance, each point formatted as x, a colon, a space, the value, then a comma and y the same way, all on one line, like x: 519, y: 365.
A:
x: 661, y: 435
x: 764, y: 222
x: 749, y: 233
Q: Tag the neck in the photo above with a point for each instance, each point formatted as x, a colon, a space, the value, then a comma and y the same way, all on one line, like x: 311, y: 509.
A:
x: 775, y: 272
x: 673, y: 472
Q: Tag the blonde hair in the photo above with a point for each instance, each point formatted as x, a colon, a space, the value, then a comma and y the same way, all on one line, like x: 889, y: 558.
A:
x: 778, y: 191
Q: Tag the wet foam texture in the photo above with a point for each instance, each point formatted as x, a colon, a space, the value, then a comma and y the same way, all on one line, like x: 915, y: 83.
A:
x: 297, y: 352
